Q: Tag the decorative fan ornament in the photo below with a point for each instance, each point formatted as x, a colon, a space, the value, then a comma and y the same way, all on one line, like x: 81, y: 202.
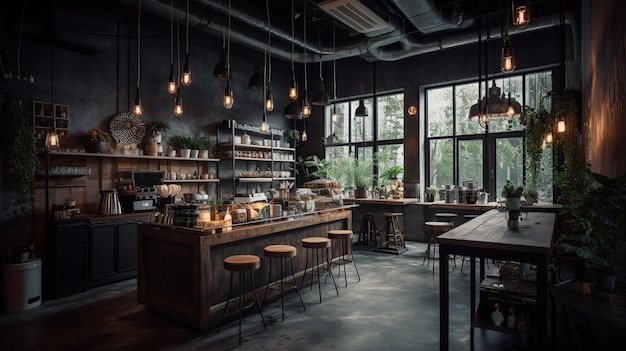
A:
x: 127, y: 128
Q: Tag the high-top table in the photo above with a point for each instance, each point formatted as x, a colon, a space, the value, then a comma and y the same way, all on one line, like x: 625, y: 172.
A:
x: 487, y: 236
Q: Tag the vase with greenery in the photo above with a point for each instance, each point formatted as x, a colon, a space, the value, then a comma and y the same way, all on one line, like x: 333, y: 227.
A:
x: 159, y: 129
x: 204, y: 144
x: 392, y: 172
x: 431, y: 192
x: 293, y: 137
x: 598, y: 226
x: 315, y: 168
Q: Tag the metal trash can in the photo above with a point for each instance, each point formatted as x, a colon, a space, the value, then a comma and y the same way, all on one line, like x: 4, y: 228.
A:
x: 22, y: 285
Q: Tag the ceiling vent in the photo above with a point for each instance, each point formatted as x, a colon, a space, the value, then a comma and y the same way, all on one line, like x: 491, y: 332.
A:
x: 355, y: 15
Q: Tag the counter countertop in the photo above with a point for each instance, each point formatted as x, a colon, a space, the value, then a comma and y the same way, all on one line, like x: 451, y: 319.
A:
x: 403, y: 201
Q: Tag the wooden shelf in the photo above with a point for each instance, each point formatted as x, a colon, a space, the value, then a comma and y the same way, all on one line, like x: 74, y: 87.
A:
x: 139, y: 157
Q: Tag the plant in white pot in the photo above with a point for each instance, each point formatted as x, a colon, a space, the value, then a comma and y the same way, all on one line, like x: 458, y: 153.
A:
x: 184, y: 144
x: 204, y: 144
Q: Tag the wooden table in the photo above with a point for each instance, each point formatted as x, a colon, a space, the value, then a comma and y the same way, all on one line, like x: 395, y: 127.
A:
x: 487, y: 236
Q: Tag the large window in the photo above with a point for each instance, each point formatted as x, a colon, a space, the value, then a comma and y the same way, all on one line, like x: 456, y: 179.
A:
x: 379, y: 135
x: 459, y: 150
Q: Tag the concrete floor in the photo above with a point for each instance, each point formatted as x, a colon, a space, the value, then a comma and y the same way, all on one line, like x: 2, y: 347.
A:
x: 395, y: 306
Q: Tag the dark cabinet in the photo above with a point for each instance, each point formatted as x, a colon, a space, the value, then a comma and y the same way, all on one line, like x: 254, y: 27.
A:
x: 112, y: 252
x: 67, y: 261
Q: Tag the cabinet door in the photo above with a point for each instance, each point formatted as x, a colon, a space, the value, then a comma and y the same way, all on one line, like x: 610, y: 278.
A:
x: 70, y: 259
x: 127, y: 247
x: 102, y: 252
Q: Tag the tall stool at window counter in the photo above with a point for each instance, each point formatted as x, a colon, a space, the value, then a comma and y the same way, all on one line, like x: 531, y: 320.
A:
x: 282, y: 253
x: 320, y: 247
x: 446, y: 217
x: 393, y: 242
x: 369, y: 231
x: 242, y: 264
x: 435, y: 229
x: 344, y: 238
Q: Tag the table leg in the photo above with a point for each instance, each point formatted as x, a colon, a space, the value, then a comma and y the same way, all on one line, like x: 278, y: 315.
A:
x: 444, y: 295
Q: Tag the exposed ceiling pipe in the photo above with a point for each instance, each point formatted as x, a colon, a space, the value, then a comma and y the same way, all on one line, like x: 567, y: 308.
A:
x: 380, y: 47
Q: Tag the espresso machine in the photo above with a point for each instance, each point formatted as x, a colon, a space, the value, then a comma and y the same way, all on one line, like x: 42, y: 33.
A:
x: 138, y: 189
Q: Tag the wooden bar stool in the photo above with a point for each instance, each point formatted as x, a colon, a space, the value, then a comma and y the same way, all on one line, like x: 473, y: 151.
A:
x: 446, y: 217
x: 344, y: 239
x: 369, y: 231
x: 320, y: 246
x: 242, y: 264
x: 281, y: 253
x: 435, y: 229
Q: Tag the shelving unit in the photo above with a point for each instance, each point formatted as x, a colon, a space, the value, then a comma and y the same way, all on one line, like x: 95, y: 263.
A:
x: 263, y: 163
x: 47, y: 117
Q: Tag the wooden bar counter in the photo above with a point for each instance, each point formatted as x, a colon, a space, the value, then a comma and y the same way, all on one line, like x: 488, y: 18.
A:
x: 181, y: 272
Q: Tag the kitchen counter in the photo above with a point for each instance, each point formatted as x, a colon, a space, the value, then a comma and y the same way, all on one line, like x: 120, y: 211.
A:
x: 181, y: 271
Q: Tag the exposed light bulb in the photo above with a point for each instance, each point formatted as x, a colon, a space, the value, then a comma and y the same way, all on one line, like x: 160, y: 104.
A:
x: 560, y: 126
x: 138, y: 109
x: 186, y: 77
x: 178, y: 104
x: 293, y: 91
x: 549, y: 137
x: 264, y: 126
x: 306, y: 108
x: 228, y: 100
x: 520, y: 16
x: 304, y: 136
x: 171, y: 84
x: 269, y: 100
x: 52, y: 141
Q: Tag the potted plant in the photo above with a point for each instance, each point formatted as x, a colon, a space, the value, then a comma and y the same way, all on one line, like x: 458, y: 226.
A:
x: 431, y: 192
x: 392, y: 172
x: 314, y: 168
x: 159, y: 129
x: 362, y: 177
x: 293, y: 137
x: 95, y: 140
x: 512, y: 194
x: 598, y: 226
x: 204, y: 144
x: 184, y: 144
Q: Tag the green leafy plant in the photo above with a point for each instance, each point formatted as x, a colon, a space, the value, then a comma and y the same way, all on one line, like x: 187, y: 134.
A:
x: 182, y: 142
x: 512, y: 191
x: 204, y: 143
x: 315, y: 168
x: 18, y: 144
x: 293, y: 135
x: 392, y: 172
x: 362, y: 173
x: 163, y: 126
x: 432, y: 190
x: 599, y: 224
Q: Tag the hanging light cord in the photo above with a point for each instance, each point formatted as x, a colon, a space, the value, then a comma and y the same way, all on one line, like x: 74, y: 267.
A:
x: 293, y: 72
x: 187, y: 31
x: 172, y: 32
x: 306, y: 84
x: 269, y: 43
x: 334, y: 67
x: 178, y: 51
x: 228, y: 49
x: 139, y: 44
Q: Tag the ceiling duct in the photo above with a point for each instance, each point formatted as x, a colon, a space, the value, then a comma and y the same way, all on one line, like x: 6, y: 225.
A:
x: 355, y: 15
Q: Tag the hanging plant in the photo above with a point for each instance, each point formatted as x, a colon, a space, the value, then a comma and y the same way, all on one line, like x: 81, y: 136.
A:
x: 538, y: 124
x: 19, y: 146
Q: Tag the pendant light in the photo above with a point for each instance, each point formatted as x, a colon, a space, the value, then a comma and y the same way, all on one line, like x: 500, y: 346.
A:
x: 138, y: 109
x: 507, y: 58
x: 52, y: 139
x: 171, y: 83
x: 220, y: 71
x: 521, y: 12
x: 334, y: 116
x: 264, y: 125
x: 228, y: 99
x: 293, y: 87
x: 178, y: 101
x: 321, y: 97
x: 269, y: 98
x: 306, y: 106
x: 293, y: 111
x: 256, y: 81
x: 560, y: 125
x: 186, y: 77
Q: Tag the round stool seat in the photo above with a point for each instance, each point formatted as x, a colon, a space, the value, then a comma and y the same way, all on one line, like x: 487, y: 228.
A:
x: 339, y: 234
x: 392, y: 214
x: 316, y: 242
x: 241, y: 263
x: 445, y: 215
x: 437, y: 226
x: 470, y: 216
x: 280, y: 251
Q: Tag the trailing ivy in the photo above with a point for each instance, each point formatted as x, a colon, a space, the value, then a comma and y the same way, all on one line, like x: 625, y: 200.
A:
x: 19, y: 145
x: 538, y: 123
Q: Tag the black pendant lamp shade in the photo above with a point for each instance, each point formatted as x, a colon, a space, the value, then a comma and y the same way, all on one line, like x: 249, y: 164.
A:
x: 221, y: 68
x: 293, y: 111
x: 361, y: 110
x: 321, y: 98
x: 257, y: 81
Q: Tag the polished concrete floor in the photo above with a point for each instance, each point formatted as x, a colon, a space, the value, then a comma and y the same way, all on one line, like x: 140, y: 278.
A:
x: 395, y: 306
